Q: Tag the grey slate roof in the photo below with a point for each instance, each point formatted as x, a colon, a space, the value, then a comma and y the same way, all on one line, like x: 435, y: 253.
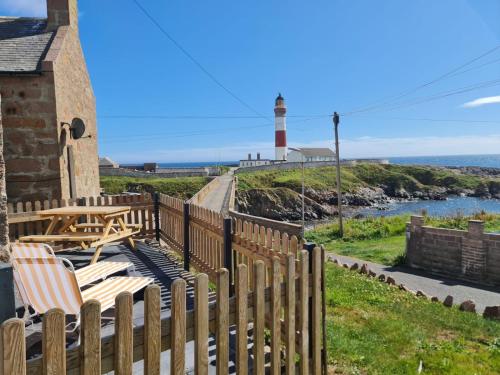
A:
x: 23, y: 44
x: 317, y: 152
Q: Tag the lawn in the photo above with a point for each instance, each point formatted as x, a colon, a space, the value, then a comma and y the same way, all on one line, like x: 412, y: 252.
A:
x: 180, y: 187
x: 382, y: 239
x: 373, y: 328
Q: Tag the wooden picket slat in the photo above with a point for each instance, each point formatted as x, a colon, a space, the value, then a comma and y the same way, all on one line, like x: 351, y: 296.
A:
x: 258, y: 318
x: 201, y: 325
x: 304, y: 312
x: 90, y: 337
x: 152, y: 330
x: 12, y: 348
x: 222, y: 328
x: 178, y: 328
x: 54, y: 342
x: 316, y: 311
x: 276, y: 317
x: 241, y: 288
x: 290, y: 314
x: 123, y: 334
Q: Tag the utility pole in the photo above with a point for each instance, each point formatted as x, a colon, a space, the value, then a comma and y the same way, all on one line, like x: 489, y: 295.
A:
x: 336, y: 121
x: 303, y: 203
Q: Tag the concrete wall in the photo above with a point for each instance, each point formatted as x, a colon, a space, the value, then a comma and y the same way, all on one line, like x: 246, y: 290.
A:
x: 470, y: 255
x: 142, y: 174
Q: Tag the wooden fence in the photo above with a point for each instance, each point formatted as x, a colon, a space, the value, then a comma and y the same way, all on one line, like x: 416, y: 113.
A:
x: 24, y: 219
x: 290, y: 308
x: 214, y: 241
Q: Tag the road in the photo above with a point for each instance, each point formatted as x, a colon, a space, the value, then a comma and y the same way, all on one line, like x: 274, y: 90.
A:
x: 433, y: 285
x: 218, y: 199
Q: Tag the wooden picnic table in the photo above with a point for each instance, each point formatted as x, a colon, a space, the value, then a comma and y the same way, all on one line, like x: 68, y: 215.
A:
x: 103, y: 224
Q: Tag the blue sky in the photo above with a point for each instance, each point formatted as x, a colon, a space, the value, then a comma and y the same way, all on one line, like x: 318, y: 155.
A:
x: 321, y: 55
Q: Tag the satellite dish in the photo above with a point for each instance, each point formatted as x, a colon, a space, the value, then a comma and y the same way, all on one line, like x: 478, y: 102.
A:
x: 77, y: 128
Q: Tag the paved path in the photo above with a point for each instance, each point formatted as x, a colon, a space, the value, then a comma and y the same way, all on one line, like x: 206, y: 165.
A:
x: 218, y: 199
x: 433, y: 285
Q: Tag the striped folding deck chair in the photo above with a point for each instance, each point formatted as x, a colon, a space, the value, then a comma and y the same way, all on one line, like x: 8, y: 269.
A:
x: 85, y: 275
x: 50, y: 283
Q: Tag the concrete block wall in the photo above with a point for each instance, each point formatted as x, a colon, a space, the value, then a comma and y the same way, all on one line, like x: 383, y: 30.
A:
x: 470, y: 255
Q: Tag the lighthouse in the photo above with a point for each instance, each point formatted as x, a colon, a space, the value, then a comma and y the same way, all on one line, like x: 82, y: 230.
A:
x: 280, y: 129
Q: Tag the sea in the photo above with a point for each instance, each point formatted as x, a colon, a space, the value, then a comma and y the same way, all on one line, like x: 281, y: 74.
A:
x: 487, y: 161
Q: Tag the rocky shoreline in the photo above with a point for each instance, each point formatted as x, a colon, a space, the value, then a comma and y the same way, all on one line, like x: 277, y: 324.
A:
x: 285, y: 204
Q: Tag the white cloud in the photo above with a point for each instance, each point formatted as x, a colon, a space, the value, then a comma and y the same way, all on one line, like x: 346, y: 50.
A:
x: 28, y: 8
x: 482, y: 101
x: 349, y: 148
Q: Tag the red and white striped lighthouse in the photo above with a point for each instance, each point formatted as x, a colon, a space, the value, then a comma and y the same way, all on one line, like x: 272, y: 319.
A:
x: 280, y: 128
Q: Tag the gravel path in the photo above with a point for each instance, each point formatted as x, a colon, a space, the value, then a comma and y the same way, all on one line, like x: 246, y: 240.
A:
x: 433, y: 285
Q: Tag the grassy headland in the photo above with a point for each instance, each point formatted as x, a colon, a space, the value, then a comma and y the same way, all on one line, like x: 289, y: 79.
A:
x: 373, y: 328
x: 382, y: 239
x: 392, y: 177
x: 180, y: 187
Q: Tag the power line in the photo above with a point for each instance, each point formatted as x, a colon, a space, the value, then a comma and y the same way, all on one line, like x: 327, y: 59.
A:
x: 193, y: 117
x: 196, y: 62
x: 145, y: 137
x: 450, y: 73
x: 441, y: 95
x: 425, y: 119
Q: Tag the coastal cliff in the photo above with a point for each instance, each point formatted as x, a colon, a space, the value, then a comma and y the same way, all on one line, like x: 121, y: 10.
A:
x: 277, y: 194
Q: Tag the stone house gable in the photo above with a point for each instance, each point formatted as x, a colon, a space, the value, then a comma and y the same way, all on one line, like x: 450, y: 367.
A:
x: 44, y: 84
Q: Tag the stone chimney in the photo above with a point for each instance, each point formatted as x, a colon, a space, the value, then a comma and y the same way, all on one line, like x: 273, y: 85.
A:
x: 62, y: 13
x: 249, y: 156
x: 258, y: 155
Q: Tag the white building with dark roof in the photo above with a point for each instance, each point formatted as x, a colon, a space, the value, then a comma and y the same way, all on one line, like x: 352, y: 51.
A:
x: 310, y: 155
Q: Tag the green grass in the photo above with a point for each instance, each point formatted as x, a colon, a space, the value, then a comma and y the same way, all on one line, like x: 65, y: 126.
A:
x: 181, y: 187
x: 373, y: 328
x: 382, y: 239
x: 395, y: 177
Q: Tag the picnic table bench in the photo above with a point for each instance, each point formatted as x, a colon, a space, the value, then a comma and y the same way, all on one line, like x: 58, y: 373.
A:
x: 103, y: 224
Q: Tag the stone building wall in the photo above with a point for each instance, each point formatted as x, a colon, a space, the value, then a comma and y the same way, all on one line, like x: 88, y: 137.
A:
x: 75, y: 98
x: 469, y: 255
x: 33, y: 108
x: 30, y: 137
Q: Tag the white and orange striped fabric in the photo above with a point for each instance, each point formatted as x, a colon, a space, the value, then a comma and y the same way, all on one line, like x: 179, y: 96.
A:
x: 85, y: 275
x: 106, y: 291
x: 99, y: 271
x: 50, y: 284
x: 31, y: 250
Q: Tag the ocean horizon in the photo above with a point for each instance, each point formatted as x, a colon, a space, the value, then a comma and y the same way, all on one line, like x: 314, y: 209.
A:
x: 485, y: 161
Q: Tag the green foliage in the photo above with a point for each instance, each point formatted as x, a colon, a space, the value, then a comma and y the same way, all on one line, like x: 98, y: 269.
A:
x: 373, y: 328
x: 317, y: 178
x: 394, y: 177
x: 381, y: 239
x: 181, y: 187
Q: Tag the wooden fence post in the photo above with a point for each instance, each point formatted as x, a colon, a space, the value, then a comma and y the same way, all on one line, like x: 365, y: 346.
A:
x: 124, y: 350
x: 90, y: 337
x: 54, y: 342
x: 228, y: 253
x: 178, y: 328
x: 186, y: 236
x: 12, y: 348
x: 152, y: 330
x: 222, y: 323
x: 157, y: 215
